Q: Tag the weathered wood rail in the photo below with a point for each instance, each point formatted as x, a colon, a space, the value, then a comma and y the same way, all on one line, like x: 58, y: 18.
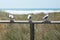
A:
x: 31, y: 24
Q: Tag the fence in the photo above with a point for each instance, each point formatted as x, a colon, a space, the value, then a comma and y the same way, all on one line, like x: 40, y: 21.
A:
x: 32, y: 33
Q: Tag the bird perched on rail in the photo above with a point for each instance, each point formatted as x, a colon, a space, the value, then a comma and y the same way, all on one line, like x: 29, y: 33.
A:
x: 11, y: 18
x: 45, y: 17
x: 29, y: 17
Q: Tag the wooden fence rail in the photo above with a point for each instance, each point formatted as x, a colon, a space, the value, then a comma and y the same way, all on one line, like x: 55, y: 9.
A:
x: 31, y: 24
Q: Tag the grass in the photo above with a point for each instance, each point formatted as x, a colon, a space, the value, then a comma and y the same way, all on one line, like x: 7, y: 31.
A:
x: 22, y: 31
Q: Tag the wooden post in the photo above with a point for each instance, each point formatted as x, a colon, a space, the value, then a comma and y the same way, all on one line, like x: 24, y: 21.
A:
x: 31, y: 30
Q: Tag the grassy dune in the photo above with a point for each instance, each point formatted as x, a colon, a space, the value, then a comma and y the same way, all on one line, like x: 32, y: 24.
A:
x: 22, y: 31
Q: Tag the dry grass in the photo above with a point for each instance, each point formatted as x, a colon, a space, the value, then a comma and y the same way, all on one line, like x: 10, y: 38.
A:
x: 22, y: 31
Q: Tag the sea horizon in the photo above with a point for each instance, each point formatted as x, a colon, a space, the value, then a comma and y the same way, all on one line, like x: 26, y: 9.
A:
x: 29, y: 9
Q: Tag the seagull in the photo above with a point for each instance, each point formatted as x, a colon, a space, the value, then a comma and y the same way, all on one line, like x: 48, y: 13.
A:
x: 45, y: 17
x: 29, y: 17
x: 11, y: 18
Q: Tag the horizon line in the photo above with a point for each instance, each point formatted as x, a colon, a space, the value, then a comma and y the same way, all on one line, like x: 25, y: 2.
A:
x: 29, y: 8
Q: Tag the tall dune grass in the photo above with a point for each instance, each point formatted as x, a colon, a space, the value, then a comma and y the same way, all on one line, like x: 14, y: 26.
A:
x: 22, y: 31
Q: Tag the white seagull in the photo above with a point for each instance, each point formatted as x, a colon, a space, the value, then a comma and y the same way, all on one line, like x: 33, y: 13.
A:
x: 45, y: 17
x: 29, y: 17
x: 11, y: 18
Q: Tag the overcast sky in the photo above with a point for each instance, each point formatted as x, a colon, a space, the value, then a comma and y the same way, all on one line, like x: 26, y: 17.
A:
x: 29, y: 4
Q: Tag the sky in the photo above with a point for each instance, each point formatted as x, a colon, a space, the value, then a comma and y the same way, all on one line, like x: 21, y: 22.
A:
x: 6, y: 4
